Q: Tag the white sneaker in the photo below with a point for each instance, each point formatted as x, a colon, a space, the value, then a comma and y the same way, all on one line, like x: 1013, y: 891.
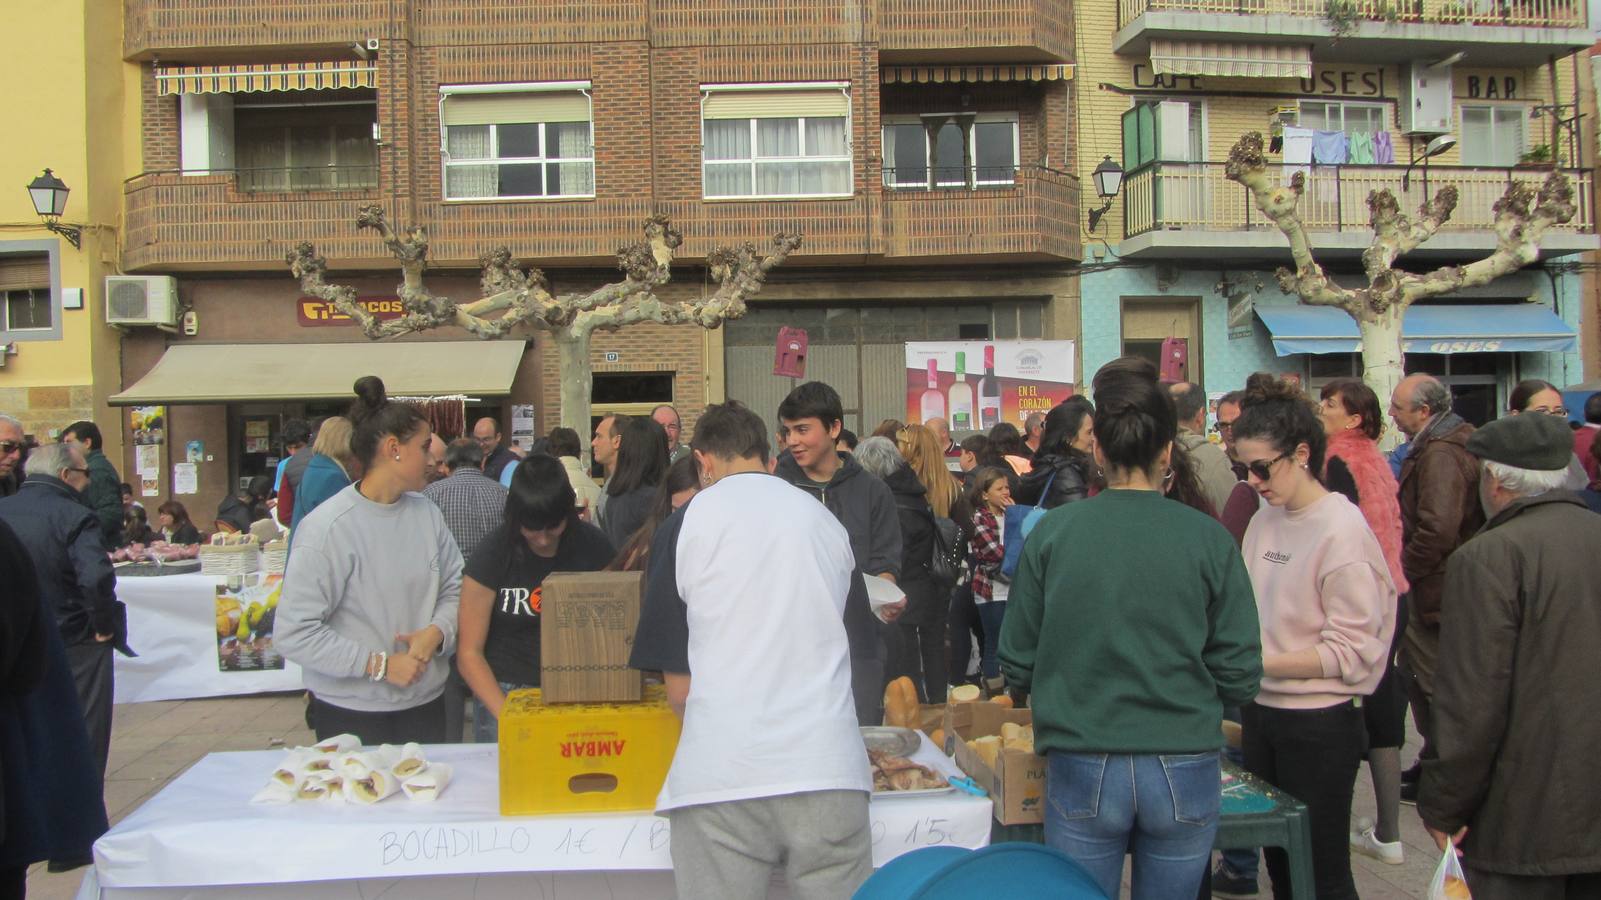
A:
x: 1367, y: 843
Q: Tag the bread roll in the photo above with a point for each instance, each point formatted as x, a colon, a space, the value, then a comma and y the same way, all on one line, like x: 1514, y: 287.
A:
x: 1002, y: 700
x: 965, y: 693
x: 988, y: 749
x: 901, y: 706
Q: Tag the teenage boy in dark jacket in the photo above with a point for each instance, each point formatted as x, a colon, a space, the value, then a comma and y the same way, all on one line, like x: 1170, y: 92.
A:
x: 811, y: 418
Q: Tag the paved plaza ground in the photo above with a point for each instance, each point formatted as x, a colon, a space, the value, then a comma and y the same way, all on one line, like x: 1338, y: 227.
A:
x: 152, y: 743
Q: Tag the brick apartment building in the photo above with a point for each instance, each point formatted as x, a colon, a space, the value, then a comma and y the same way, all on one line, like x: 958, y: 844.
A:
x: 923, y: 149
x: 1183, y: 252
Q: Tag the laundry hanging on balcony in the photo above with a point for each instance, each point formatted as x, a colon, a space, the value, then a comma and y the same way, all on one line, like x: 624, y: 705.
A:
x: 975, y: 74
x: 247, y: 79
x: 1224, y: 60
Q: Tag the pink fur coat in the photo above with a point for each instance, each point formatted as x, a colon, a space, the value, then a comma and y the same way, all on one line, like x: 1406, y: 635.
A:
x: 1377, y: 494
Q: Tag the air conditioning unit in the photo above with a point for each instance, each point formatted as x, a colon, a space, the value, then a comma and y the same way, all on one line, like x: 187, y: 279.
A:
x: 141, y: 300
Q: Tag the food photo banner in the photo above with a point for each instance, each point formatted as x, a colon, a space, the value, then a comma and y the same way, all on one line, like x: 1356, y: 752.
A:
x: 976, y: 385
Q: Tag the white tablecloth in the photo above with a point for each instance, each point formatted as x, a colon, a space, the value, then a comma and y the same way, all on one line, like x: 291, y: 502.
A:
x: 172, y: 626
x: 201, y: 837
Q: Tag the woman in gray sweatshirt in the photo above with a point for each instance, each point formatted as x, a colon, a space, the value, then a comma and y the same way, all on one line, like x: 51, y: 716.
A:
x: 370, y: 595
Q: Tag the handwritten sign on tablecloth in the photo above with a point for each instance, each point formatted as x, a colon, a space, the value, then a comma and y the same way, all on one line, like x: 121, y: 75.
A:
x: 171, y: 840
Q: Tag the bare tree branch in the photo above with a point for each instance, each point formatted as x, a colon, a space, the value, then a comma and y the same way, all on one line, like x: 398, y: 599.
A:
x: 512, y: 297
x: 1280, y: 203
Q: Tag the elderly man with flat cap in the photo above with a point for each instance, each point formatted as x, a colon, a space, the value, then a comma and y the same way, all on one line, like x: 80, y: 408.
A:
x: 1517, y: 718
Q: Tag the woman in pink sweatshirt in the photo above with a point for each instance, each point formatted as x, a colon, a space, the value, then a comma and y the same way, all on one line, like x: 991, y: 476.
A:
x: 1326, y: 602
x: 1356, y: 468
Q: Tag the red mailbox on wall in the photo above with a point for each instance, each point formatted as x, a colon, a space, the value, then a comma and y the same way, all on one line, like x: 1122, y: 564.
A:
x: 789, y: 355
x: 1175, y: 359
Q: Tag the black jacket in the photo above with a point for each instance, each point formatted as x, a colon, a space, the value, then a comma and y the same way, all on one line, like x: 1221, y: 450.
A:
x: 1516, y: 715
x: 625, y: 513
x: 63, y: 537
x: 1068, y: 478
x: 863, y: 504
x: 50, y: 803
x: 916, y: 519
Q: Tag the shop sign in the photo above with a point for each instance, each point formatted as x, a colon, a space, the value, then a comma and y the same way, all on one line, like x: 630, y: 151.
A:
x: 1488, y: 85
x: 312, y: 312
x: 1325, y: 81
x: 1491, y: 346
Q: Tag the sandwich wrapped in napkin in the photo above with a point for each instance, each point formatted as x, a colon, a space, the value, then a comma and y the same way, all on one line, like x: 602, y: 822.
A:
x: 358, y: 763
x: 371, y: 788
x: 427, y: 785
x: 410, y: 762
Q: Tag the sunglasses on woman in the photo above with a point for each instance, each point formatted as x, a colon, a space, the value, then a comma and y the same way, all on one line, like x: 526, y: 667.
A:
x: 1263, y: 468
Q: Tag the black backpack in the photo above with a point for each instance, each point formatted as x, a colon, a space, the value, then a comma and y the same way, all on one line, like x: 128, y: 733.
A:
x: 945, y: 563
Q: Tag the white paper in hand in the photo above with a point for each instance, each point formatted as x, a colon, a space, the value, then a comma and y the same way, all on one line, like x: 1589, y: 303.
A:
x: 881, y: 593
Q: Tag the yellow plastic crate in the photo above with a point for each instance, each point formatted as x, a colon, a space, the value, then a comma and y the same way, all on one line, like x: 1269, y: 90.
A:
x: 589, y: 757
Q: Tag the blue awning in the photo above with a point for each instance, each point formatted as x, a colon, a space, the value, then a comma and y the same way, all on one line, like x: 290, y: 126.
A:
x: 1501, y: 328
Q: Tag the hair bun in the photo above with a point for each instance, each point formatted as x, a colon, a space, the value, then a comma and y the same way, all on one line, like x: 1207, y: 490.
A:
x: 370, y: 391
x: 1264, y: 388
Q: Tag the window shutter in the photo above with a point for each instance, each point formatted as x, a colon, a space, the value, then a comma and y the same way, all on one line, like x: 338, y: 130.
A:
x: 22, y: 272
x: 516, y: 109
x: 775, y: 104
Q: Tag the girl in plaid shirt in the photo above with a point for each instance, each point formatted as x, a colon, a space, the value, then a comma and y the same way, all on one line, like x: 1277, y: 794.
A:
x: 990, y: 495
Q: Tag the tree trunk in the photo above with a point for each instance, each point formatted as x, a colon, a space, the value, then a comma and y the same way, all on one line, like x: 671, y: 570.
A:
x: 1381, y: 359
x: 572, y: 347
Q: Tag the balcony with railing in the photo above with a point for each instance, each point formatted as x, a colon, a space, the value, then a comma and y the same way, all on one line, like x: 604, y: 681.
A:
x: 1523, y: 32
x: 153, y: 26
x: 968, y: 31
x: 245, y: 218
x: 1192, y: 209
x: 1019, y: 212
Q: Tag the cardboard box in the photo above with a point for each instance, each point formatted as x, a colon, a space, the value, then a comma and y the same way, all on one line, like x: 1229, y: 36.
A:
x: 587, y: 623
x: 1017, y: 783
x: 591, y: 757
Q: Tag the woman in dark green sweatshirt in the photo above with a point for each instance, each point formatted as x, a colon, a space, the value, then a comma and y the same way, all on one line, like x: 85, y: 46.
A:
x: 1132, y: 624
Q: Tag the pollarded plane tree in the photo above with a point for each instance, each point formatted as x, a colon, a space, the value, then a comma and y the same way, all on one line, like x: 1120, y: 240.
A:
x: 517, y: 299
x: 1522, y: 216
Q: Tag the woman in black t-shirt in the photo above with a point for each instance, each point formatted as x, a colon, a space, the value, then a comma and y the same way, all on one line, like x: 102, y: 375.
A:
x: 498, y: 634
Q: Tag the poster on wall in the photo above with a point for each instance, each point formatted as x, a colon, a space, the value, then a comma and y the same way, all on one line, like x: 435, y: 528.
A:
x: 522, y: 425
x: 976, y: 385
x: 186, y: 478
x: 257, y: 434
x: 149, y: 424
x: 195, y: 452
x: 147, y: 460
x: 245, y: 617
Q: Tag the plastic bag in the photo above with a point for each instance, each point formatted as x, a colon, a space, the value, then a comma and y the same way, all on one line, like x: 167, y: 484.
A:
x: 1448, y: 882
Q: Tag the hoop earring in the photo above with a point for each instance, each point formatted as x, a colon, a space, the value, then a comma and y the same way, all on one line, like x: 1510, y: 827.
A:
x: 1167, y: 476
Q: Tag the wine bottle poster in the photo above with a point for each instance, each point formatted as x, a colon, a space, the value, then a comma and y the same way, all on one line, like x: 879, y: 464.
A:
x: 973, y: 385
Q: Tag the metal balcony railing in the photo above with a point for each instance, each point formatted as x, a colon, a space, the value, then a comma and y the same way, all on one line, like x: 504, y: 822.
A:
x: 1527, y: 13
x: 1198, y: 196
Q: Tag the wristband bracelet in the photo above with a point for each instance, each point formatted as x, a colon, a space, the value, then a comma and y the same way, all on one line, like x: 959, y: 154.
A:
x: 383, y: 666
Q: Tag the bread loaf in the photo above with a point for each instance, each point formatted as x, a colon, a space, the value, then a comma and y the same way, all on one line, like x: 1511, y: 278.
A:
x: 901, y: 706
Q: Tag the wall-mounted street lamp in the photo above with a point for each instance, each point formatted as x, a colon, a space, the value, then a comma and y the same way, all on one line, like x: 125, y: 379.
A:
x: 1108, y: 178
x: 49, y: 196
x: 1435, y: 147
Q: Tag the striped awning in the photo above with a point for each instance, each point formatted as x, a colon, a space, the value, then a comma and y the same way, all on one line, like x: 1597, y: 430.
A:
x: 972, y: 74
x: 1231, y: 60
x: 307, y: 76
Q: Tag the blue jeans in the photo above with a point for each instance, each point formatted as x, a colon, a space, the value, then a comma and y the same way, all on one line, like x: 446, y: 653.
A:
x: 486, y: 728
x: 990, y: 615
x: 1161, y: 808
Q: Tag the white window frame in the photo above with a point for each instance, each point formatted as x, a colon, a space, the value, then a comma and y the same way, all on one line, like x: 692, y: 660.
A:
x: 52, y: 249
x: 755, y: 159
x: 1494, y: 108
x: 1200, y: 139
x: 987, y: 118
x: 1383, y: 109
x: 40, y: 293
x: 447, y: 161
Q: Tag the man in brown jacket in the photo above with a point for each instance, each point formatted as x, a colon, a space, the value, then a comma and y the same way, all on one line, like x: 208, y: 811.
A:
x: 1516, y: 716
x: 1439, y: 513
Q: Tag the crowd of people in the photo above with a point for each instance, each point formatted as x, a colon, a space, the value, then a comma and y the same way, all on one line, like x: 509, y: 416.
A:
x: 1133, y: 580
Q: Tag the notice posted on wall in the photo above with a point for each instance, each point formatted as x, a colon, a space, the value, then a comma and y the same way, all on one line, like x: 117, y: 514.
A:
x: 976, y: 385
x: 522, y: 425
x: 185, y: 478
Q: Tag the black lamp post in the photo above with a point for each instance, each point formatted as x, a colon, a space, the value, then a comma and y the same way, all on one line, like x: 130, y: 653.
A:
x: 49, y: 196
x: 1108, y: 178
